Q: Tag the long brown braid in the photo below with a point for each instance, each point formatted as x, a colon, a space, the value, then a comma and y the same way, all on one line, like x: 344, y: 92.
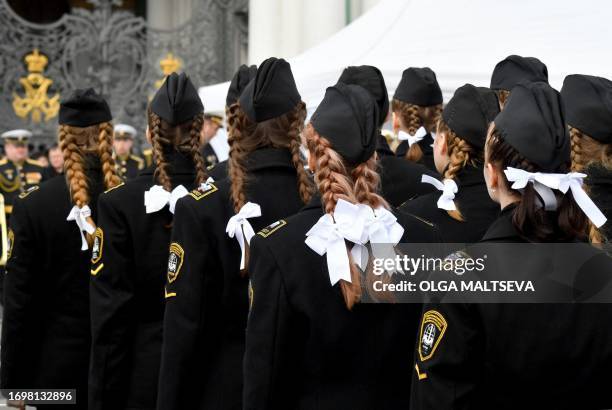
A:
x: 336, y: 181
x: 413, y: 117
x: 75, y: 143
x: 502, y: 97
x: 247, y: 136
x: 184, y: 138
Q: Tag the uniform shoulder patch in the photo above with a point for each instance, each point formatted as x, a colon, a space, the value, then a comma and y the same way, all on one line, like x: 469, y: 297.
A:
x: 10, y: 241
x: 200, y: 193
x: 28, y: 192
x: 115, y: 187
x: 34, y: 162
x: 140, y: 161
x: 175, y: 261
x: 270, y: 229
x: 433, y: 327
x: 3, y: 161
x: 98, y: 246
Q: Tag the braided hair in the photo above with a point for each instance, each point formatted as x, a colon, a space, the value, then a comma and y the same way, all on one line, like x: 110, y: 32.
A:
x: 413, y: 117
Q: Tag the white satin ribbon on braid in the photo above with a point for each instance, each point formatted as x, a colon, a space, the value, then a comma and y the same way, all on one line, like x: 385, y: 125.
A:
x: 544, y: 183
x: 239, y: 227
x: 381, y: 230
x: 412, y: 139
x: 79, y: 216
x: 205, y: 186
x: 157, y: 197
x: 448, y: 187
x: 327, y: 236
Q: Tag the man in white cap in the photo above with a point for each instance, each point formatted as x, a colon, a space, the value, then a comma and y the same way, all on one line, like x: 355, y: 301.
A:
x: 214, y: 140
x: 18, y: 173
x: 128, y: 164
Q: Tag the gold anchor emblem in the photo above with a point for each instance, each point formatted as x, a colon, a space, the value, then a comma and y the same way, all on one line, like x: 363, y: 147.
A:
x: 36, y: 102
x: 169, y: 65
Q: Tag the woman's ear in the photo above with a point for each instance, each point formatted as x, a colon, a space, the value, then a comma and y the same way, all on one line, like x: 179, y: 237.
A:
x: 148, y: 135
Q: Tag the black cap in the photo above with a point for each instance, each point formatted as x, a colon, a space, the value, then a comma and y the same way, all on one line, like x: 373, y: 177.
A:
x: 533, y: 123
x: 588, y: 105
x: 348, y: 118
x: 419, y: 86
x: 84, y: 107
x: 177, y: 101
x: 515, y: 69
x: 470, y: 112
x: 271, y: 93
x: 240, y: 80
x: 370, y: 78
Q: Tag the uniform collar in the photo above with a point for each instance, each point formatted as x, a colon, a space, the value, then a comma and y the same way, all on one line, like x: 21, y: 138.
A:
x: 269, y: 158
x: 314, y: 203
x: 470, y: 176
x: 123, y: 157
x: 180, y: 164
x: 382, y: 147
x: 502, y: 227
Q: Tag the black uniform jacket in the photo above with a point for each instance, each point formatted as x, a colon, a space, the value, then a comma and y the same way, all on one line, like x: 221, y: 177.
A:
x: 218, y: 171
x: 206, y: 296
x: 305, y: 349
x: 516, y: 356
x: 426, y: 146
x: 129, y: 166
x: 128, y: 275
x: 599, y: 182
x: 473, y: 200
x: 209, y: 155
x: 18, y: 178
x: 46, y: 327
x: 400, y: 179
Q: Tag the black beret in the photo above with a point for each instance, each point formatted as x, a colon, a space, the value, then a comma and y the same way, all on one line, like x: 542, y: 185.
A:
x: 241, y: 78
x: 533, y: 123
x: 515, y: 69
x: 588, y: 105
x: 348, y: 118
x: 177, y: 101
x: 419, y: 86
x: 84, y: 107
x: 470, y: 112
x: 271, y: 93
x: 370, y: 78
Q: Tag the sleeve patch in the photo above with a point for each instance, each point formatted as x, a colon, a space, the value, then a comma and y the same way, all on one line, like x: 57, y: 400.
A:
x: 115, y: 187
x: 28, y: 192
x: 175, y: 261
x: 433, y: 327
x: 251, y: 295
x: 98, y: 246
x: 270, y: 229
x: 10, y: 239
x: 200, y: 193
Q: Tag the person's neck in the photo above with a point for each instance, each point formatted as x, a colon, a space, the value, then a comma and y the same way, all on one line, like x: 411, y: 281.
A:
x: 17, y: 162
x: 506, y: 200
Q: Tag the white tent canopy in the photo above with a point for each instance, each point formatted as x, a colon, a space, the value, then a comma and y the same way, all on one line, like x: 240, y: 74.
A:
x: 461, y: 40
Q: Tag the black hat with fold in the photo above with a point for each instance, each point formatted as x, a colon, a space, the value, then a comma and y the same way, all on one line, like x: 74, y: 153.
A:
x: 588, y: 105
x: 370, y: 78
x: 470, y: 112
x: 177, y: 101
x: 271, y: 93
x: 241, y: 78
x: 533, y: 123
x: 516, y: 69
x: 348, y: 118
x: 84, y: 107
x: 419, y: 86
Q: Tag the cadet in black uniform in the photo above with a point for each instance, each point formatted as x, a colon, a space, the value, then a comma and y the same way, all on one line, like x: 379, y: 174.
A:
x: 517, y: 356
x: 513, y: 70
x: 212, y: 124
x: 462, y: 210
x: 310, y: 343
x: 588, y: 105
x: 128, y: 164
x: 417, y: 106
x: 46, y: 326
x: 400, y: 180
x: 206, y: 291
x: 241, y: 78
x: 130, y: 254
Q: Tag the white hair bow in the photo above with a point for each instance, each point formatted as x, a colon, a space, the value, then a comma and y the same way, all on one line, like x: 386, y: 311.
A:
x: 327, y: 236
x: 157, y: 197
x: 80, y: 215
x: 544, y: 183
x: 412, y: 139
x: 381, y: 230
x: 205, y: 186
x: 448, y: 187
x: 238, y: 226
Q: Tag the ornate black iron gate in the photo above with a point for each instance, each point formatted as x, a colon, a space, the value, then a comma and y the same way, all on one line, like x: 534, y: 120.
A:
x: 114, y: 52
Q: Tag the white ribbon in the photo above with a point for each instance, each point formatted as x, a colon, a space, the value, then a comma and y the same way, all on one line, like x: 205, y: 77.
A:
x: 433, y: 137
x: 448, y: 187
x: 80, y: 215
x: 238, y: 226
x: 544, y: 183
x: 381, y: 230
x: 157, y: 197
x: 205, y: 186
x: 412, y: 139
x: 327, y: 236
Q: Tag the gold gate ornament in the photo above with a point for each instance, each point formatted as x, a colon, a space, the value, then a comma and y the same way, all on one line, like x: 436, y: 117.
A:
x: 169, y: 65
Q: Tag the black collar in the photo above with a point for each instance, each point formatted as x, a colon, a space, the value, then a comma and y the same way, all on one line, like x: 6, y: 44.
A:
x: 382, y: 147
x: 180, y: 164
x: 502, y: 228
x: 264, y: 158
x: 470, y: 176
x: 314, y: 203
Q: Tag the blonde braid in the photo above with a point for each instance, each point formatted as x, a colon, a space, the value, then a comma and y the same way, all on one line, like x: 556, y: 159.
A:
x: 196, y: 154
x: 237, y: 162
x: 105, y: 151
x: 367, y: 184
x: 157, y: 141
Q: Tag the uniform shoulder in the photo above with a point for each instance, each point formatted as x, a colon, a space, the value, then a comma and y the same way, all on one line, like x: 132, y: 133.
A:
x: 35, y: 163
x: 53, y: 188
x: 290, y: 229
x: 424, y: 206
x: 3, y: 161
